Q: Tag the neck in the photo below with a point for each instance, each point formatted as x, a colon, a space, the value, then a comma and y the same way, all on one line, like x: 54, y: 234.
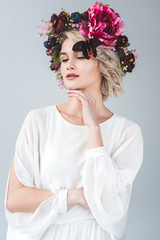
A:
x: 74, y: 107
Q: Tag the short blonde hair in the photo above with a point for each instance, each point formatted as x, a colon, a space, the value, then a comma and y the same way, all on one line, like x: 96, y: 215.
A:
x: 109, y: 66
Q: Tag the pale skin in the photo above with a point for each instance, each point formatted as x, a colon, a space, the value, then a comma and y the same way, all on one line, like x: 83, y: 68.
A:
x: 85, y: 108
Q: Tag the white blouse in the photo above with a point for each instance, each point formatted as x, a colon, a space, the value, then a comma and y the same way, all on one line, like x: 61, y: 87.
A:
x: 51, y: 153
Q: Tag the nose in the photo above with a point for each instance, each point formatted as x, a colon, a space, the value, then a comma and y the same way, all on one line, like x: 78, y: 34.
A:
x: 70, y: 64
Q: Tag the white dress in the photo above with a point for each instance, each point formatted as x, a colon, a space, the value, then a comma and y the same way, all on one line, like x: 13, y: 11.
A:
x: 51, y: 153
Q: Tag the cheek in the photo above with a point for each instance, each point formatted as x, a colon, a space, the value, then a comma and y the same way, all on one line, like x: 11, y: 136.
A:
x: 90, y: 69
x: 62, y: 70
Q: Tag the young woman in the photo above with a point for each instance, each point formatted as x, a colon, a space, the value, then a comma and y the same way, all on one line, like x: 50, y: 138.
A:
x: 74, y: 164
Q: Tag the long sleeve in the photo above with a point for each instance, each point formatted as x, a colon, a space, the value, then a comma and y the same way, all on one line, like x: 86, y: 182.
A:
x: 26, y: 168
x: 107, y: 180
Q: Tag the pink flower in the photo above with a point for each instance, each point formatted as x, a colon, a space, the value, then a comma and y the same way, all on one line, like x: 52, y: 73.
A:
x: 59, y: 81
x: 48, y: 31
x: 56, y: 67
x: 104, y: 24
x: 49, y: 51
x: 49, y: 24
x: 83, y: 28
x: 138, y: 56
x: 42, y: 27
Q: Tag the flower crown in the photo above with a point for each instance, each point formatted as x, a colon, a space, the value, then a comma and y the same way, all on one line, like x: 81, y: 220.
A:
x: 99, y: 24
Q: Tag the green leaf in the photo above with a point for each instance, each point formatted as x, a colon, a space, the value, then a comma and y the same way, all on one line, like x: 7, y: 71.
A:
x: 127, y: 44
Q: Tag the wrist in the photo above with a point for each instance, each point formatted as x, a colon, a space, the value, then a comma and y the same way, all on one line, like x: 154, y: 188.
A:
x: 73, y: 197
x: 94, y: 126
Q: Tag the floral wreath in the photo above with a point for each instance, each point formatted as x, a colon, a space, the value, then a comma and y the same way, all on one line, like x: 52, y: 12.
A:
x: 100, y: 24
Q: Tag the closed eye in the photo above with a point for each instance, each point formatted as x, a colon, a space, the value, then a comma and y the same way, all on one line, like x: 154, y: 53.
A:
x: 64, y: 60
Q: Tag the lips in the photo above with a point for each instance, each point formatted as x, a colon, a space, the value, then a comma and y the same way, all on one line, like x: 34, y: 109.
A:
x: 71, y: 75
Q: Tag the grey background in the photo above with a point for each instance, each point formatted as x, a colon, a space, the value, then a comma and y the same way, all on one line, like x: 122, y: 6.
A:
x: 27, y: 83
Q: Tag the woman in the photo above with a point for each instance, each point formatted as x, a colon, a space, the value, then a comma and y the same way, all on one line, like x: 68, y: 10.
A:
x: 74, y: 164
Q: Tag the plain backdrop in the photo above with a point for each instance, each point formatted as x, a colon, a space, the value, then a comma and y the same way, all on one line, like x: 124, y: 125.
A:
x: 27, y: 83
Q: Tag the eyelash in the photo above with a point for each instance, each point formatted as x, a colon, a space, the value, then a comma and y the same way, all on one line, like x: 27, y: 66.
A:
x: 64, y: 60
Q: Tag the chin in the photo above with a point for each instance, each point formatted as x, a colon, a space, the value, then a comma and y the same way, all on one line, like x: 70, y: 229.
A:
x: 73, y: 84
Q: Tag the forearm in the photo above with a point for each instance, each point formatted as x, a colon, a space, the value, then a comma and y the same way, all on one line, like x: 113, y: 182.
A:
x: 27, y: 199
x: 94, y: 137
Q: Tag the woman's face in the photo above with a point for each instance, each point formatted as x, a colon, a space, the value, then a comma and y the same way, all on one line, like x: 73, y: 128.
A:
x: 75, y: 63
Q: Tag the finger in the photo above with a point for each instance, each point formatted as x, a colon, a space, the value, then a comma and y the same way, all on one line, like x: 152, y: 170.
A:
x: 88, y: 95
x: 85, y: 94
x: 78, y: 93
x: 78, y: 96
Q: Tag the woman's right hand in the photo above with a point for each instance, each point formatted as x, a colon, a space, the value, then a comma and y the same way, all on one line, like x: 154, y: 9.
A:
x: 76, y: 196
x: 82, y: 199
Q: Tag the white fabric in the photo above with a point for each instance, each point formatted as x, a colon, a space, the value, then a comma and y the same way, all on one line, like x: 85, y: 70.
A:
x: 52, y: 154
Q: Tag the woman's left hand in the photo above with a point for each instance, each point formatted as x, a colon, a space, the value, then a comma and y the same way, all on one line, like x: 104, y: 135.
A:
x: 88, y: 104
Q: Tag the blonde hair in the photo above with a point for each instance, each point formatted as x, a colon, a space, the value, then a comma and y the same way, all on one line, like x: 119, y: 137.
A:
x: 109, y: 66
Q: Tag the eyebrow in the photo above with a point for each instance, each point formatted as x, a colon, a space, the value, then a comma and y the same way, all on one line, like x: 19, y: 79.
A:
x: 62, y: 53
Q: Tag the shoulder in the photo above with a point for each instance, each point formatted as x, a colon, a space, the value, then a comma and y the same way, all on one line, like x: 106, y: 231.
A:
x: 38, y: 117
x: 38, y: 113
x: 128, y: 127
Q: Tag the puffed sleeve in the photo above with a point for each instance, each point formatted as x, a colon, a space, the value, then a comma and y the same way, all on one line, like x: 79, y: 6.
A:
x: 107, y: 180
x: 26, y: 164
